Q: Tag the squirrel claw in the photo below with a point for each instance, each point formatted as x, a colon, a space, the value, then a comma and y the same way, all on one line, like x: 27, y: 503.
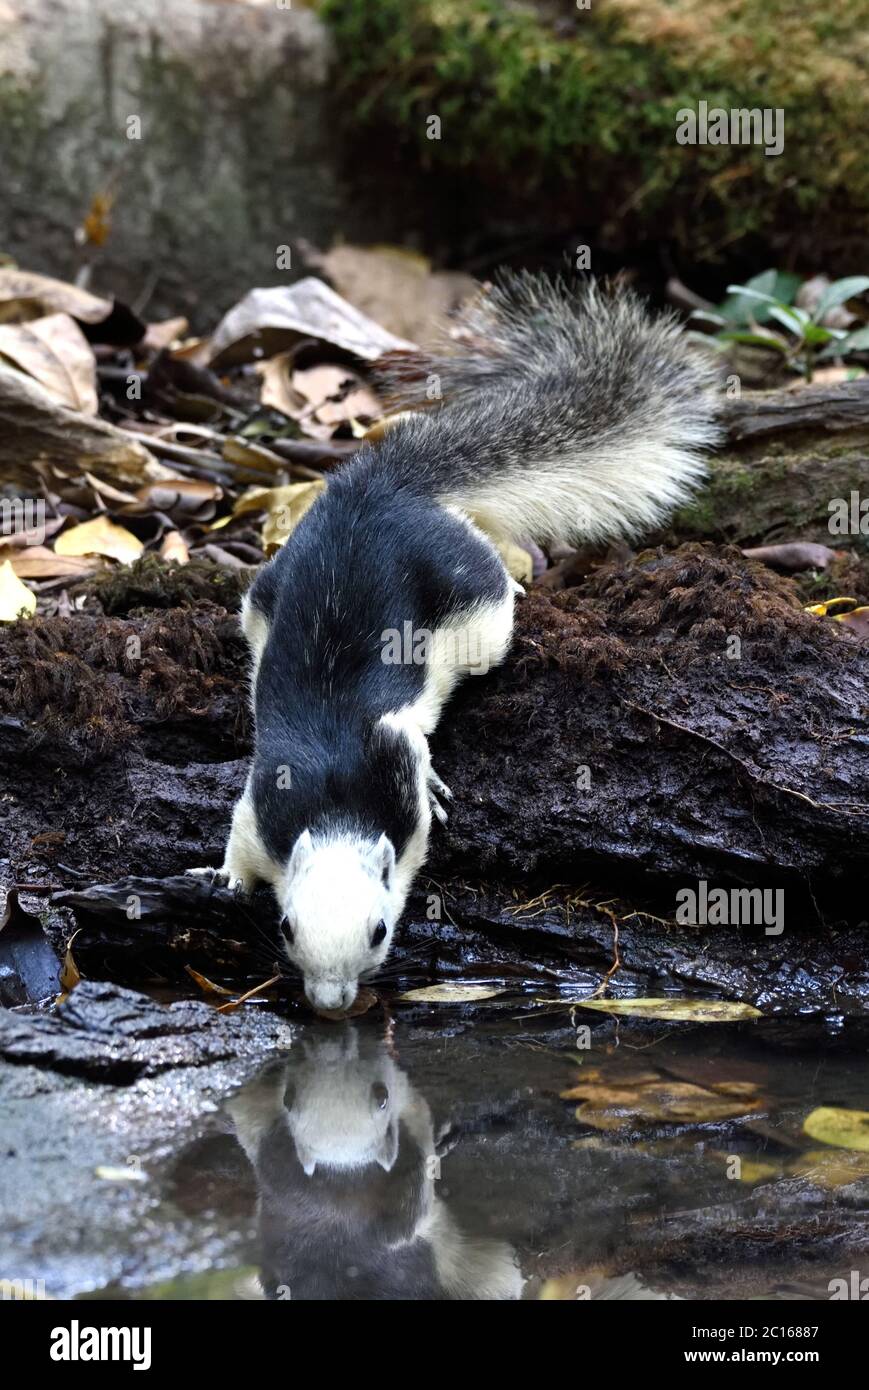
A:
x: 210, y: 875
x: 438, y: 786
x: 437, y: 808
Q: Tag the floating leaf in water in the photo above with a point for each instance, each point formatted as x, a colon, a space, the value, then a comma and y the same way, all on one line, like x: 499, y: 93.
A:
x: 665, y: 1102
x: 687, y: 1010
x: 100, y: 536
x: 208, y: 986
x: 457, y: 993
x: 844, y: 1129
x: 243, y: 998
x: 15, y: 597
x: 831, y: 1168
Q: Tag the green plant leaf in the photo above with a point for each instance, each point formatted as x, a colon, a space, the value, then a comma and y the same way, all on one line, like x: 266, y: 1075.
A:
x: 778, y: 286
x: 838, y: 292
x: 755, y: 339
x: 789, y: 318
x: 858, y: 341
x: 815, y: 333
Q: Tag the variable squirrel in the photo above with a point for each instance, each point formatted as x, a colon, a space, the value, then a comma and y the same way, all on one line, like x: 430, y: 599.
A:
x: 347, y: 1157
x: 568, y: 415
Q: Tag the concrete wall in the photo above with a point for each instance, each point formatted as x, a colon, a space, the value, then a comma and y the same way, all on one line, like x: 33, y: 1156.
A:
x: 236, y: 155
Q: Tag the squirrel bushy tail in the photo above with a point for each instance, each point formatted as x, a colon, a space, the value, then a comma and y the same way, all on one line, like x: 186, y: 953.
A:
x: 569, y: 415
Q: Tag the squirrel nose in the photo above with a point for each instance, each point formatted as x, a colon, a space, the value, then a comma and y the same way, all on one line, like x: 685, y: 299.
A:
x: 330, y: 994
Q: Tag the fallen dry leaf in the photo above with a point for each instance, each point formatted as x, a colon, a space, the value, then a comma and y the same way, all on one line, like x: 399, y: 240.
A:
x: 188, y: 499
x: 790, y: 557
x: 277, y: 391
x: 454, y: 993
x: 687, y: 1010
x: 97, y: 225
x: 34, y: 429
x: 857, y: 621
x: 15, y: 597
x: 162, y: 335
x: 174, y: 547
x: 100, y: 536
x: 243, y: 998
x: 38, y: 562
x: 55, y: 352
x: 396, y: 287
x: 284, y: 508
x: 337, y: 394
x: 25, y: 296
x: 272, y: 319
x: 208, y: 986
x: 69, y: 971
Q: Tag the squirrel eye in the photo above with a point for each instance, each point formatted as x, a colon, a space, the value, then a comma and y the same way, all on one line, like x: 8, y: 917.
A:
x: 287, y: 930
x: 380, y: 1095
x: 379, y: 934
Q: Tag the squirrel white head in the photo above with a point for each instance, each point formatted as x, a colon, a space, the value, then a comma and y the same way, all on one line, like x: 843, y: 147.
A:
x: 340, y: 905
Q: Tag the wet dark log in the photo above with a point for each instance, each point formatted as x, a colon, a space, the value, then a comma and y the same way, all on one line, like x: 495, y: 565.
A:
x: 555, y: 946
x: 672, y: 719
x: 758, y: 415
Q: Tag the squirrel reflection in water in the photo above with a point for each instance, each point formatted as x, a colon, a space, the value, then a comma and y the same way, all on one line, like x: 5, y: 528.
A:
x: 347, y: 1161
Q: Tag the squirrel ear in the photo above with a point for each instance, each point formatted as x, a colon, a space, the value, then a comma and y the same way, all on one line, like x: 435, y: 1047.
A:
x: 387, y: 1150
x: 384, y: 858
x: 306, y: 1158
x: 302, y: 851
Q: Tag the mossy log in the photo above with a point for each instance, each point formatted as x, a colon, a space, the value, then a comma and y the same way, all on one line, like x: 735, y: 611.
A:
x: 787, y: 455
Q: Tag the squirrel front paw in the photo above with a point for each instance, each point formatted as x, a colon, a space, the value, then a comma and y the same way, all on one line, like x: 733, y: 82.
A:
x: 436, y: 789
x: 219, y: 878
x: 216, y: 877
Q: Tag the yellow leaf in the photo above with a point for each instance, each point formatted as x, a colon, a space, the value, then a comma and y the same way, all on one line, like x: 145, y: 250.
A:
x: 687, y: 1010
x: 451, y: 994
x: 821, y: 610
x: 284, y: 508
x: 375, y: 432
x: 15, y: 597
x: 100, y: 537
x: 69, y: 973
x: 844, y: 1129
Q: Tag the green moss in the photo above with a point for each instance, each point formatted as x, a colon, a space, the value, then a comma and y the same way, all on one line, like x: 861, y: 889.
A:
x: 590, y: 116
